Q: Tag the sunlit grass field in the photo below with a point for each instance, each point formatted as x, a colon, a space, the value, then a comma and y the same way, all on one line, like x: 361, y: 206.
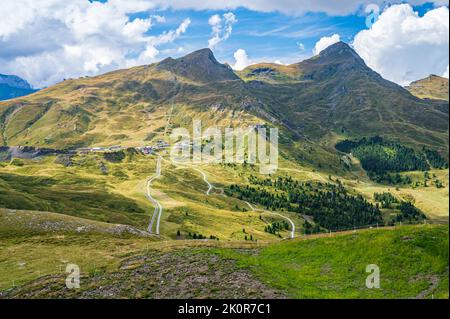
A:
x: 413, y: 262
x: 55, y: 215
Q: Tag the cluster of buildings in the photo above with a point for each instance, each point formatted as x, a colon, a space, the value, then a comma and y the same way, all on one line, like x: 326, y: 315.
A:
x: 147, y: 150
x: 86, y: 150
x: 257, y: 126
x: 183, y: 145
x: 144, y: 149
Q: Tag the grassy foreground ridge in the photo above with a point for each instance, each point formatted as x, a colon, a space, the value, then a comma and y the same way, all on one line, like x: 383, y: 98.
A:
x: 413, y: 262
x: 88, y: 177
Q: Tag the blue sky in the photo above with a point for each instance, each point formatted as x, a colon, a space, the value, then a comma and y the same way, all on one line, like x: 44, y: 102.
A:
x: 265, y: 36
x: 48, y: 40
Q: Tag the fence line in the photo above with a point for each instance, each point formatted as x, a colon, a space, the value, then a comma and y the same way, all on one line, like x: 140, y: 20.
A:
x: 355, y: 228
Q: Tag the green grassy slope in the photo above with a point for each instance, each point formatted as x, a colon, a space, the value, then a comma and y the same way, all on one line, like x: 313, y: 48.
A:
x: 7, y: 92
x: 413, y: 263
x: 336, y: 92
x: 35, y: 244
x: 432, y: 87
x: 118, y: 196
x: 333, y: 93
x: 126, y: 106
x: 315, y: 104
x: 72, y: 196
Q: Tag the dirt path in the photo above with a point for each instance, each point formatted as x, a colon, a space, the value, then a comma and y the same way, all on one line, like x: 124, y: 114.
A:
x: 158, y: 208
x: 203, y: 174
x: 277, y: 214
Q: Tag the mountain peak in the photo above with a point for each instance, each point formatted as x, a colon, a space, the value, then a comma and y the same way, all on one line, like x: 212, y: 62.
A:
x: 341, y: 50
x: 437, y: 77
x: 338, y: 60
x: 205, y: 53
x: 432, y: 87
x: 339, y: 46
x: 200, y: 66
x: 12, y: 86
x: 431, y: 78
x: 14, y: 81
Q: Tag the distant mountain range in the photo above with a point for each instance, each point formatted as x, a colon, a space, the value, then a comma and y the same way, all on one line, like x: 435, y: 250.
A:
x: 431, y: 87
x: 12, y: 86
x: 334, y: 94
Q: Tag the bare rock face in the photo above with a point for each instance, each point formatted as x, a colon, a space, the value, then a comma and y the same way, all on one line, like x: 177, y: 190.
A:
x: 23, y: 152
x: 65, y: 160
x: 27, y: 152
x: 431, y: 87
x: 103, y: 168
x: 200, y: 66
x: 12, y: 86
x: 14, y: 81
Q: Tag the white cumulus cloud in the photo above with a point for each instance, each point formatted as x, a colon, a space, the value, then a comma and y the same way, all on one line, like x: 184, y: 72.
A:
x: 135, y: 29
x: 48, y: 40
x: 403, y: 46
x: 242, y: 60
x: 151, y: 52
x: 325, y: 42
x: 445, y: 74
x: 301, y: 46
x: 221, y: 28
x: 288, y: 7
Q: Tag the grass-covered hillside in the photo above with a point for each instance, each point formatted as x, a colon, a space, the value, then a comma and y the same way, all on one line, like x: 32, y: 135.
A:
x: 362, y: 178
x: 118, y: 257
x: 336, y: 92
x: 332, y: 93
x: 432, y: 87
x: 413, y: 263
x: 127, y: 107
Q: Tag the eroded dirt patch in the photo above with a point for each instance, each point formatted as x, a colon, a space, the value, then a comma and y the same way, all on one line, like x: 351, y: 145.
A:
x: 182, y: 274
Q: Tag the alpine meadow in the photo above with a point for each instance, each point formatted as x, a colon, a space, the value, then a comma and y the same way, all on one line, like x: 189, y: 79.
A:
x: 320, y: 171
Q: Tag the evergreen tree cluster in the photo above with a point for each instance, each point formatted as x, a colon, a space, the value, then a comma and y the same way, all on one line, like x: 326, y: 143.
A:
x: 379, y: 157
x: 310, y: 229
x: 276, y: 227
x: 382, y: 158
x: 386, y: 199
x: 198, y: 236
x: 114, y: 157
x: 435, y: 159
x: 331, y: 206
x: 409, y: 213
x: 390, y: 178
x: 438, y: 184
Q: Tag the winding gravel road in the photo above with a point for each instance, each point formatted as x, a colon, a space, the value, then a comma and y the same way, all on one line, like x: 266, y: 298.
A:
x: 265, y: 211
x: 205, y: 179
x: 158, y: 208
